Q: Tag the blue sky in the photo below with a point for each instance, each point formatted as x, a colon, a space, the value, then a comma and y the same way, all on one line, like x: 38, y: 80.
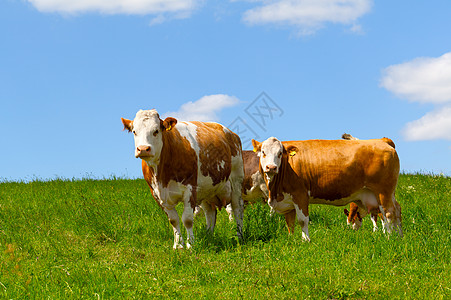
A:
x: 69, y: 70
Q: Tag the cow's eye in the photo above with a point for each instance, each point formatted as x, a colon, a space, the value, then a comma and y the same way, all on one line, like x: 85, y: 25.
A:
x: 134, y: 132
x: 263, y: 152
x: 155, y: 133
x: 280, y: 154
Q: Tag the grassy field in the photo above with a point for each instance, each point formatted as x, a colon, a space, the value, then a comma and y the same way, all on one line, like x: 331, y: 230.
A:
x: 108, y: 239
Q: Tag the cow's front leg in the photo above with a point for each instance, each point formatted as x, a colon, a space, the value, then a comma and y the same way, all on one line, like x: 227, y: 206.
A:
x: 188, y: 219
x: 303, y: 219
x: 290, y: 219
x: 175, y: 222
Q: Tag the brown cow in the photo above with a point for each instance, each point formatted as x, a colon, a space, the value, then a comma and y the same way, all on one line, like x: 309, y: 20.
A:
x: 353, y: 216
x: 333, y: 172
x: 196, y: 163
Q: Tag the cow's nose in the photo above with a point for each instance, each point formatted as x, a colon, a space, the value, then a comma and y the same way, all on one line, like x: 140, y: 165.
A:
x: 271, y: 168
x: 142, y: 151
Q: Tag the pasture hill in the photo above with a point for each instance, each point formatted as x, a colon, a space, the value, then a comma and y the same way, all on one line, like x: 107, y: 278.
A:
x: 108, y: 239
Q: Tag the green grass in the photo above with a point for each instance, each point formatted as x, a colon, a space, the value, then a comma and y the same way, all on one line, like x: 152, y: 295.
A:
x: 108, y: 239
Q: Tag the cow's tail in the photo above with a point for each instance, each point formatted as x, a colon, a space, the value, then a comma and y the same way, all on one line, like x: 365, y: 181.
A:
x: 389, y: 141
x: 347, y: 136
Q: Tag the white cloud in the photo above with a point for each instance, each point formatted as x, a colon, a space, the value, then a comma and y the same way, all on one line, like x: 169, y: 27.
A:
x: 424, y: 79
x: 434, y: 125
x: 308, y: 15
x: 204, y: 109
x: 138, y: 7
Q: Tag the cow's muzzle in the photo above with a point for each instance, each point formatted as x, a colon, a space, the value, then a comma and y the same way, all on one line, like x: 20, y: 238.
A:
x: 271, y: 169
x: 143, y: 152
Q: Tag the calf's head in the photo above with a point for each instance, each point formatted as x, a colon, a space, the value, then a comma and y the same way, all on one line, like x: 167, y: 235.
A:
x: 148, y: 130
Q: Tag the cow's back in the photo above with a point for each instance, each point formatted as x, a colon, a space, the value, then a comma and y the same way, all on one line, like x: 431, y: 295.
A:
x: 334, y: 169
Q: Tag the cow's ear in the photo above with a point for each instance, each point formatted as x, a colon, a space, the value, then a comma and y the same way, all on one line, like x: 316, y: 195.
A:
x: 128, y: 124
x: 168, y: 123
x: 291, y: 150
x: 257, y: 146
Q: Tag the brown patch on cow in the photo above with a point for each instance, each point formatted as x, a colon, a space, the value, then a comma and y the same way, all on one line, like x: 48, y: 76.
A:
x: 217, y: 148
x: 353, y: 213
x: 251, y: 162
x: 178, y: 162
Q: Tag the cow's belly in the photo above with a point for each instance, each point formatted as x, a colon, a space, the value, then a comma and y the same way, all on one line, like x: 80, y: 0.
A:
x: 365, y: 195
x: 258, y: 189
x: 207, y: 191
x: 172, y: 194
x: 284, y: 206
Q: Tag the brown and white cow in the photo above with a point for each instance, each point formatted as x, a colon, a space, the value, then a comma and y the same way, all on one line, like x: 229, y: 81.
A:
x: 254, y: 186
x: 333, y: 172
x: 196, y: 163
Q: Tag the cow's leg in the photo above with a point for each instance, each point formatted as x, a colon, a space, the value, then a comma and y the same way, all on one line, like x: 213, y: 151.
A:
x: 303, y: 219
x: 237, y: 206
x: 175, y: 222
x: 188, y: 220
x: 360, y: 214
x: 352, y: 214
x: 290, y: 219
x: 229, y: 211
x: 210, y: 216
x: 374, y: 220
x: 391, y: 213
x: 398, y: 215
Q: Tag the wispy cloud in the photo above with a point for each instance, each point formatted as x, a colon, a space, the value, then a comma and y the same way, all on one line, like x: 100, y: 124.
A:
x: 307, y: 16
x: 204, y: 109
x: 424, y: 80
x: 432, y: 126
x: 133, y: 7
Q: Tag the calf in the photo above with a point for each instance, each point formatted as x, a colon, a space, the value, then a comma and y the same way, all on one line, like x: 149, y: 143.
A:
x: 196, y: 163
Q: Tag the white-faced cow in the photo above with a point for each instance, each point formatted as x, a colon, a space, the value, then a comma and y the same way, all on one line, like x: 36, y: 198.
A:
x: 334, y: 172
x: 196, y: 163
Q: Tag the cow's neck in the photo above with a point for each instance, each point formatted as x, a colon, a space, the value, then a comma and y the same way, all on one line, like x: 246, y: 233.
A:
x: 279, y: 183
x: 178, y: 161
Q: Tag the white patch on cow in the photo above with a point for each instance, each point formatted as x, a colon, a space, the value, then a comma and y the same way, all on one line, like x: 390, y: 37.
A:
x: 303, y: 220
x: 189, y: 131
x: 258, y: 189
x: 229, y: 211
x: 374, y: 220
x: 221, y: 165
x: 284, y: 206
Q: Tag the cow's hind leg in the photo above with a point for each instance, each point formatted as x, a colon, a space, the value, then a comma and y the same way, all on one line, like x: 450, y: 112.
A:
x: 391, y: 213
x: 175, y: 222
x: 237, y: 206
x: 210, y: 215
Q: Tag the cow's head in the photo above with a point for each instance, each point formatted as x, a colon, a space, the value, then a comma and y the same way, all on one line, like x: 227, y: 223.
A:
x: 148, y: 130
x: 270, y: 153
